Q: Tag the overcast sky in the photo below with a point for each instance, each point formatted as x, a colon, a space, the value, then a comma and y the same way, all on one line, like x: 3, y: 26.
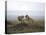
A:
x: 23, y: 7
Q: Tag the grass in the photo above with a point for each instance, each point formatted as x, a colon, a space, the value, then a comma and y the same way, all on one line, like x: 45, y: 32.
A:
x: 36, y: 26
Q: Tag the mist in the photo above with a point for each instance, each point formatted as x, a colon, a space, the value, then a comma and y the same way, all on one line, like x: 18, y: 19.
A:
x: 18, y: 8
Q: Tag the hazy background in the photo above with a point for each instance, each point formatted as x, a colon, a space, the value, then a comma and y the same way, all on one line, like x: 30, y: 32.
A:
x: 16, y: 8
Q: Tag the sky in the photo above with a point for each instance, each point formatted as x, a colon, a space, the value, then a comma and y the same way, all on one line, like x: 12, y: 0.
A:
x: 23, y: 7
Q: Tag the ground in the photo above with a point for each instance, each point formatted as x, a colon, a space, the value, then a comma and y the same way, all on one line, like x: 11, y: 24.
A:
x: 17, y: 27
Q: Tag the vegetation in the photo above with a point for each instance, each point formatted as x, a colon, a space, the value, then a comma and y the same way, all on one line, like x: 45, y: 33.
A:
x: 24, y: 25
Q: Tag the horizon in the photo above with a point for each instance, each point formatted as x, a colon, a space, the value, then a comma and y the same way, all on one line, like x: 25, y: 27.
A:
x: 18, y: 8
